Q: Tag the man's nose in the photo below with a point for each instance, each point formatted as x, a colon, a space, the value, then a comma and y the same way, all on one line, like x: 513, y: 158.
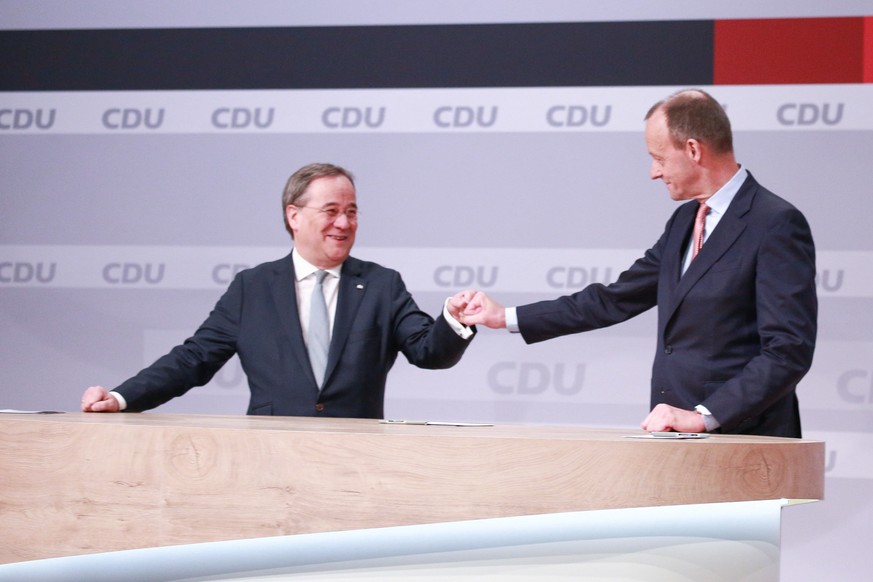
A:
x: 342, y: 221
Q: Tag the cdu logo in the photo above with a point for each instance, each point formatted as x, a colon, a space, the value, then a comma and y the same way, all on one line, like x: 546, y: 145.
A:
x: 242, y: 118
x: 577, y: 277
x: 27, y: 118
x: 464, y: 117
x: 578, y: 116
x: 856, y: 386
x: 224, y: 273
x: 132, y: 273
x: 117, y: 118
x: 808, y: 114
x: 828, y: 280
x: 528, y: 378
x: 25, y: 272
x: 464, y: 276
x: 352, y: 117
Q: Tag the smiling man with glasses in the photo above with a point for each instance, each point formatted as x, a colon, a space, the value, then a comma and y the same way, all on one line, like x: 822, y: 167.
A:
x: 316, y: 331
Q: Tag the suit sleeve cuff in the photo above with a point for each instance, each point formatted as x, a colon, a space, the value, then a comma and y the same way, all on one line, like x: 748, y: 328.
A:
x: 709, y: 421
x: 464, y: 331
x: 122, y: 403
x: 512, y: 320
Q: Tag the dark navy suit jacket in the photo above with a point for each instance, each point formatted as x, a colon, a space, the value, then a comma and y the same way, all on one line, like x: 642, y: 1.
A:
x: 736, y: 332
x: 257, y: 318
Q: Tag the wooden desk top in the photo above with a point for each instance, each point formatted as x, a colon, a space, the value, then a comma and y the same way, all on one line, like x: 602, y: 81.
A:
x: 79, y: 483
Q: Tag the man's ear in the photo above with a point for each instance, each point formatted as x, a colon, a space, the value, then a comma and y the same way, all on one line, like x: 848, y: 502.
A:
x: 693, y: 150
x: 291, y: 213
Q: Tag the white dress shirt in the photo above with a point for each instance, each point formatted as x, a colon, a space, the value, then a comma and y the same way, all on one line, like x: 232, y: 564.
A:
x: 305, y: 283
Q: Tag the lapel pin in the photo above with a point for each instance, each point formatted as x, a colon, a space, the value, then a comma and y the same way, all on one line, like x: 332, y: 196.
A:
x: 359, y: 286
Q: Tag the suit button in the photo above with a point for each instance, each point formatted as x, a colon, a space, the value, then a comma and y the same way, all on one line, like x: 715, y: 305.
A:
x: 319, y: 407
x: 668, y: 350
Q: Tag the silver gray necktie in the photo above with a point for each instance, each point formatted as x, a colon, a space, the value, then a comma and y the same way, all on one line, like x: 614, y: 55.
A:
x: 319, y: 330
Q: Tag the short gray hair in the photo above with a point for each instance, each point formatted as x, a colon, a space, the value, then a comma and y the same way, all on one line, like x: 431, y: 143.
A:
x: 297, y: 185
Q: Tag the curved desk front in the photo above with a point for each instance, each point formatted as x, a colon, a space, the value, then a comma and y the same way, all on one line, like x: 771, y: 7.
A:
x: 182, y: 496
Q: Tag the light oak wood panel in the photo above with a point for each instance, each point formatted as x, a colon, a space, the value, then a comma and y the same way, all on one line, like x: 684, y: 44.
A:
x: 82, y: 483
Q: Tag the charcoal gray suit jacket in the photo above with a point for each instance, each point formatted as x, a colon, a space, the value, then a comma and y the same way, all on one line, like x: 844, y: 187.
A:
x: 736, y: 332
x: 257, y: 318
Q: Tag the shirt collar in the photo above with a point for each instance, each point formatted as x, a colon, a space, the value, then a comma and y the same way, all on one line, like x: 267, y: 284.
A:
x: 303, y: 268
x: 719, y: 202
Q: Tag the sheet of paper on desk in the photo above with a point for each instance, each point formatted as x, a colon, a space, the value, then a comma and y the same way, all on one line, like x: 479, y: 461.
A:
x: 13, y: 411
x: 433, y: 422
x: 669, y: 435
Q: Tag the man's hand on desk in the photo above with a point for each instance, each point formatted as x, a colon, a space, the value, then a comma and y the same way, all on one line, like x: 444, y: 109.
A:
x: 664, y: 417
x: 98, y: 399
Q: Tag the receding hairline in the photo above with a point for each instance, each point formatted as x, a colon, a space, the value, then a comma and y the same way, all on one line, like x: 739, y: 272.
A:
x: 683, y: 94
x: 695, y: 114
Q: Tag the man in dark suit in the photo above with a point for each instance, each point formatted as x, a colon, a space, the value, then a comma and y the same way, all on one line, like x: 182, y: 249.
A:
x: 272, y: 316
x: 736, y: 322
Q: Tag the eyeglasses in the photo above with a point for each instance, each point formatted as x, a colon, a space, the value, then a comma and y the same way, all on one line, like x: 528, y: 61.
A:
x: 332, y: 213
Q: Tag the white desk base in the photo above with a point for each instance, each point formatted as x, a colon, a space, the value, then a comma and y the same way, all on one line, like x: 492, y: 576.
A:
x: 714, y: 542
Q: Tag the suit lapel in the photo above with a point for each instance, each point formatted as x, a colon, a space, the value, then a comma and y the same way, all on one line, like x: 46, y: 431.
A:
x: 352, y: 287
x: 674, y: 251
x: 285, y: 299
x: 729, y: 229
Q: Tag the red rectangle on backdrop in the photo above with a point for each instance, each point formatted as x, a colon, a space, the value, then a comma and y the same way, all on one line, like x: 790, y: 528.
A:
x: 791, y: 50
x: 868, y: 49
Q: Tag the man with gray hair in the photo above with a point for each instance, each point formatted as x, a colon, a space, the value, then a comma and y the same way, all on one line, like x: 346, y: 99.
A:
x: 316, y: 331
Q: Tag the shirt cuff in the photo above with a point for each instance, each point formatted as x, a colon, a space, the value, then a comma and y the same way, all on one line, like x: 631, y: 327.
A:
x: 464, y: 331
x: 122, y: 403
x: 512, y: 320
x: 709, y: 421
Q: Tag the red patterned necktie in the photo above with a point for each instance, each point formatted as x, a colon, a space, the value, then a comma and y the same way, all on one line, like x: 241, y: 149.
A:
x: 699, y: 224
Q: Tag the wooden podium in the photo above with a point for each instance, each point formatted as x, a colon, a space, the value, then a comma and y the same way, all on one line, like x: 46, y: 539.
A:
x: 76, y: 484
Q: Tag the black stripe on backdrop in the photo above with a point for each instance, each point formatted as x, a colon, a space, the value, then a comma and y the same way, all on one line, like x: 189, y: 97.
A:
x: 487, y: 55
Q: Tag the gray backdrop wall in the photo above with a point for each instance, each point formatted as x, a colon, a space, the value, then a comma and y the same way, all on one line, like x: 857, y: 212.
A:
x: 124, y: 214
